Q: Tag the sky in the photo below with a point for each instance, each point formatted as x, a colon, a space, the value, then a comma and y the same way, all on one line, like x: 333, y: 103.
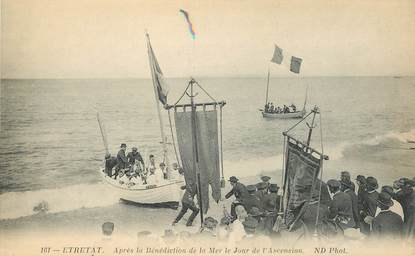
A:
x: 106, y: 38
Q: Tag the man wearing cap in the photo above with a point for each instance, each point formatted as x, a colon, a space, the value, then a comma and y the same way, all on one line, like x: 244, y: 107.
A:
x: 262, y: 189
x: 348, y: 188
x: 252, y: 238
x: 239, y: 191
x: 135, y: 156
x: 251, y: 200
x: 208, y: 231
x: 266, y: 179
x: 369, y: 204
x: 110, y: 162
x: 340, y: 208
x: 405, y: 195
x: 188, y: 203
x: 122, y: 161
x: 387, y: 224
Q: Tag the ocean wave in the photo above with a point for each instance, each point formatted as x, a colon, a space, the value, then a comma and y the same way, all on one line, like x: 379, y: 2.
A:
x: 390, y: 140
x: 20, y: 204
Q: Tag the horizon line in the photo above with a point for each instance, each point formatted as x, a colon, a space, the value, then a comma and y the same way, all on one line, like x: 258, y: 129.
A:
x: 183, y: 77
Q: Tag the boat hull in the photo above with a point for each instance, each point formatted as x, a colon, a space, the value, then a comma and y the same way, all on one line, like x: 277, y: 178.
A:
x: 165, y: 194
x: 293, y: 115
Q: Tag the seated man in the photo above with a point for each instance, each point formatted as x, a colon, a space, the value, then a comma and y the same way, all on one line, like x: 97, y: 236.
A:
x: 294, y: 108
x: 123, y: 178
x: 151, y: 167
x: 164, y: 170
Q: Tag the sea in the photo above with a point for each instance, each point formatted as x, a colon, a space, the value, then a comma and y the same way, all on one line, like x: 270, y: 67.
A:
x: 51, y: 147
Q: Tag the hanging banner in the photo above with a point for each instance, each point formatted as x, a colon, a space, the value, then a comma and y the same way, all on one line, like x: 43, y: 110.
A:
x: 302, y: 169
x: 207, y: 148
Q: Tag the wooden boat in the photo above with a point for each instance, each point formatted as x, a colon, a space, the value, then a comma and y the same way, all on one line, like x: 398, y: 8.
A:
x: 290, y: 115
x: 287, y: 115
x: 165, y: 194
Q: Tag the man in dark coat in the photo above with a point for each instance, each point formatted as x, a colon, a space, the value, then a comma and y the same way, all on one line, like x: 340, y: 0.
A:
x: 387, y: 224
x: 122, y: 161
x: 271, y: 205
x: 311, y: 211
x: 251, y: 200
x: 345, y: 178
x: 340, y: 208
x: 368, y: 205
x: 110, y: 162
x: 405, y: 195
x: 239, y: 191
x: 188, y: 203
x: 325, y: 195
x: 349, y: 188
x: 262, y: 189
x: 266, y: 180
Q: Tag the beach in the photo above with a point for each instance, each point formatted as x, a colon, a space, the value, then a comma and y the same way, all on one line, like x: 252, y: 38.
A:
x: 51, y: 147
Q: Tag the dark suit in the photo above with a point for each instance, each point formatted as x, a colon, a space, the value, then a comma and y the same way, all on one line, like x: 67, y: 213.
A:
x: 271, y: 202
x: 188, y: 203
x: 250, y: 201
x: 239, y: 191
x: 122, y: 161
x: 135, y: 156
x: 309, y: 216
x: 355, y: 209
x: 109, y: 164
x: 341, y: 210
x: 407, y: 200
x: 368, y: 208
x: 387, y: 224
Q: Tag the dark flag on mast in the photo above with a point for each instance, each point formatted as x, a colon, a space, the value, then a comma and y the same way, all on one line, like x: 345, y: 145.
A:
x: 295, y: 64
x: 157, y: 75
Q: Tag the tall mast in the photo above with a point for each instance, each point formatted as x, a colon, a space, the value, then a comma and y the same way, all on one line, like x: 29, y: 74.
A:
x: 266, y: 95
x: 163, y: 137
x: 195, y: 150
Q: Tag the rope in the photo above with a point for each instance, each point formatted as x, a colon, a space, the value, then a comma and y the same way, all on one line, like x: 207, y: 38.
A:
x: 321, y: 172
x: 221, y: 148
x: 185, y: 91
x: 287, y: 131
x: 283, y: 175
x: 205, y: 91
x: 172, y: 138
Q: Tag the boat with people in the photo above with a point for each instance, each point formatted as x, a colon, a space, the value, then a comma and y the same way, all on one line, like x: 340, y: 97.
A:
x: 136, y: 183
x: 271, y: 110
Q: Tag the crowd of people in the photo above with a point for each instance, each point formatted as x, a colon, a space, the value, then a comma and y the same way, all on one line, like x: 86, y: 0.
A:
x: 130, y: 169
x: 335, y: 209
x: 270, y: 108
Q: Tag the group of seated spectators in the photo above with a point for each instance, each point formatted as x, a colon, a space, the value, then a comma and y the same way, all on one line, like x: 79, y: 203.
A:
x: 270, y: 108
x: 131, y: 169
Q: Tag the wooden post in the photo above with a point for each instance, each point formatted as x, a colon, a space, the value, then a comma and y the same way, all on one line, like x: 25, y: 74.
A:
x: 195, y: 151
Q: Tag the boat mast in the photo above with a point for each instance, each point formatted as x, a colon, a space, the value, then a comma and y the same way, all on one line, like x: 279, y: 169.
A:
x: 163, y: 137
x: 195, y: 151
x: 266, y: 95
x: 306, y: 96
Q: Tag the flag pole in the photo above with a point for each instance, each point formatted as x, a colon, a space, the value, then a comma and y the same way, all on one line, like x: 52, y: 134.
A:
x: 195, y: 151
x: 266, y: 95
x: 163, y: 137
